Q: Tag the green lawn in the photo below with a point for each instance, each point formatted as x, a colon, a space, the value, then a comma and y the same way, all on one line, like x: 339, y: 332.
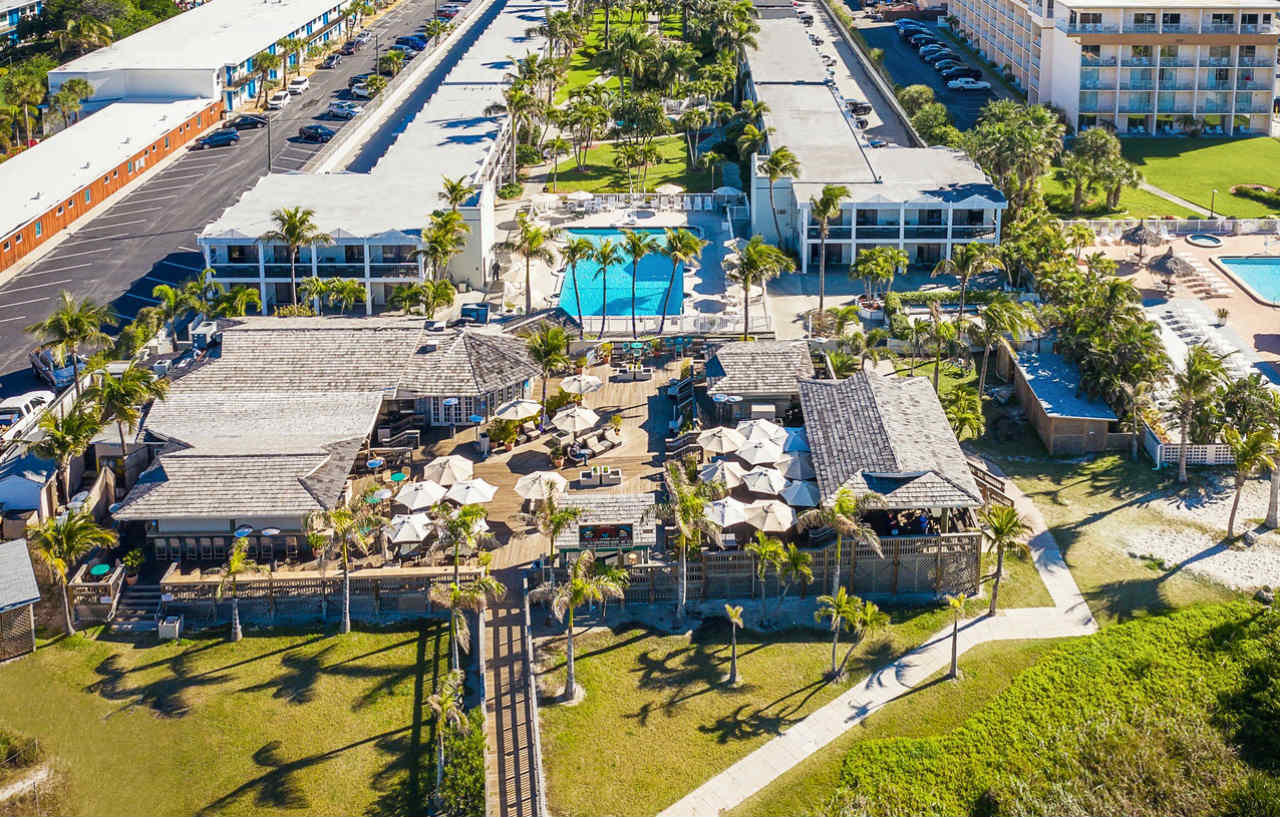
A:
x: 1058, y: 195
x: 586, y: 63
x: 275, y: 724
x: 935, y: 708
x: 1194, y: 168
x: 598, y: 174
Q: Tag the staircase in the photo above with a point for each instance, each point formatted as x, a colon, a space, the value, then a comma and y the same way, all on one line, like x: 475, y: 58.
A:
x: 137, y: 610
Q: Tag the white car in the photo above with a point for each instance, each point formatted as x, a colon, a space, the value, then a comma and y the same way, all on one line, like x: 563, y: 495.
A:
x: 299, y: 84
x: 277, y: 100
x: 361, y: 91
x: 966, y: 84
x: 344, y: 109
x: 18, y: 414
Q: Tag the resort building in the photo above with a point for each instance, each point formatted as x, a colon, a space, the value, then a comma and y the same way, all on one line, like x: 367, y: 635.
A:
x: 762, y: 377
x: 18, y: 596
x: 925, y: 201
x: 1140, y: 68
x: 376, y: 218
x: 268, y: 428
x: 204, y: 52
x: 50, y: 185
x: 1069, y: 422
x: 13, y: 12
x: 615, y: 526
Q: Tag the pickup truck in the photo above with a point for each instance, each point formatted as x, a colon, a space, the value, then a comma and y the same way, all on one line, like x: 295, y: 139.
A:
x: 18, y: 415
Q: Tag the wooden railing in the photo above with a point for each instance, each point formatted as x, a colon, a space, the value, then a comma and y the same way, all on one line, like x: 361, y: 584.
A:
x: 95, y: 600
x: 991, y: 486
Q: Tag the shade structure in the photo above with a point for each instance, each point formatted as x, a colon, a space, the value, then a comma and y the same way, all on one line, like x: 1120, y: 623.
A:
x: 763, y: 430
x: 797, y: 466
x: 726, y: 512
x: 580, y: 195
x: 760, y: 452
x: 519, y: 409
x: 668, y: 189
x: 1141, y: 236
x: 770, y: 516
x: 418, y: 496
x: 538, y: 484
x: 581, y: 384
x: 797, y: 440
x: 448, y: 469
x: 1173, y: 264
x: 407, y: 529
x: 722, y: 472
x: 764, y: 480
x: 471, y: 491
x: 801, y: 493
x: 575, y: 419
x: 728, y: 190
x: 721, y: 440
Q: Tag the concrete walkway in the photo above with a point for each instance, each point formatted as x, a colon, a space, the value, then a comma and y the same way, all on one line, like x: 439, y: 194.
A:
x: 1167, y: 196
x: 1069, y: 616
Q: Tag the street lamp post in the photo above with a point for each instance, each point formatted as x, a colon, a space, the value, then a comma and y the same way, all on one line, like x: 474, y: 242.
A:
x: 268, y: 143
x: 1213, y: 198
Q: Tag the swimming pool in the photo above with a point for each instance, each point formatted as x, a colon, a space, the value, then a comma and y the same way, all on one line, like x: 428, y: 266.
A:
x: 1261, y: 274
x: 654, y: 275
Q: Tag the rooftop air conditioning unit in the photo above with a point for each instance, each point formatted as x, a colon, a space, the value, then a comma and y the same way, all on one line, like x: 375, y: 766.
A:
x: 205, y: 334
x: 160, y: 368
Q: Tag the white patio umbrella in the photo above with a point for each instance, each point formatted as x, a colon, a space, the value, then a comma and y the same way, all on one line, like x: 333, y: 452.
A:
x: 797, y: 466
x: 518, y: 409
x: 668, y: 189
x: 407, y: 529
x: 770, y: 515
x: 721, y: 440
x: 765, y: 430
x: 537, y: 484
x: 418, y: 496
x: 797, y: 440
x: 725, y: 472
x: 471, y: 491
x: 760, y: 452
x: 448, y: 469
x: 581, y: 384
x: 801, y: 493
x: 728, y: 190
x: 726, y: 512
x: 580, y: 195
x: 764, y: 480
x: 575, y: 419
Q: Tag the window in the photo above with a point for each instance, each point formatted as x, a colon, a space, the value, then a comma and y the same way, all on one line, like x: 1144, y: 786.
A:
x: 397, y: 253
x: 59, y: 209
x: 129, y: 167
x: 354, y: 253
x: 1171, y: 19
x: 115, y: 173
x: 1168, y: 53
x: 1223, y: 19
x: 1144, y: 20
x: 1221, y: 77
x: 242, y: 254
x: 88, y: 197
x: 166, y: 143
x: 17, y: 240
x: 1091, y: 53
x: 1248, y: 53
x: 1090, y: 18
x: 6, y: 246
x: 1248, y: 19
x: 39, y: 229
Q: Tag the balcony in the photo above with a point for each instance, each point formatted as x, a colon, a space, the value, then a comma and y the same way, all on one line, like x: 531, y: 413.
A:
x: 1177, y: 62
x: 1104, y: 106
x: 878, y: 231
x: 1248, y: 62
x: 1087, y: 28
x: 1177, y: 86
x: 834, y: 231
x: 1216, y: 62
x: 282, y: 270
x: 393, y: 271
x: 1088, y: 61
x: 1137, y: 62
x: 972, y: 231
x: 1137, y: 85
x: 1180, y: 28
x: 1141, y: 28
x: 1177, y: 107
x: 929, y: 231
x: 1218, y: 28
x: 1257, y: 28
x: 1253, y: 85
x: 237, y: 271
x: 1210, y: 106
x: 1136, y: 106
x: 1252, y: 107
x: 340, y: 270
x: 1097, y: 84
x: 1215, y: 85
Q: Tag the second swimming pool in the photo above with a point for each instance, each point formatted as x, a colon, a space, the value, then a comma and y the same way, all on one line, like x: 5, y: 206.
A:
x: 652, y: 279
x: 1259, y: 273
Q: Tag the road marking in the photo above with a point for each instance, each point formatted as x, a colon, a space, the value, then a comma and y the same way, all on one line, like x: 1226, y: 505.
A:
x: 159, y: 280
x: 141, y: 298
x: 56, y: 269
x: 19, y: 318
x: 86, y: 252
x: 189, y: 249
x: 181, y: 266
x: 7, y: 290
x: 139, y: 198
x: 24, y: 303
x: 179, y: 177
x: 117, y: 224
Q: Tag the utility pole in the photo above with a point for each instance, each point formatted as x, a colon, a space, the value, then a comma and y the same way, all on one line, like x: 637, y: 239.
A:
x: 268, y: 143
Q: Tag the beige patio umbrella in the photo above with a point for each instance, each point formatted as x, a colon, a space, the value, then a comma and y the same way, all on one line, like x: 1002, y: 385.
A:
x: 721, y: 440
x: 575, y: 419
x: 407, y: 529
x: 418, y: 496
x: 518, y: 409
x: 760, y: 452
x: 724, y: 472
x: 448, y: 469
x: 581, y: 384
x: 764, y: 480
x: 797, y: 465
x: 1141, y: 237
x: 801, y: 493
x: 471, y: 491
x: 538, y: 484
x: 668, y: 189
x: 765, y: 430
x: 580, y: 195
x: 726, y: 512
x: 770, y: 516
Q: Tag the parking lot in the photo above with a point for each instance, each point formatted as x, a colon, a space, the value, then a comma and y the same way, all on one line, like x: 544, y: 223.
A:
x: 907, y: 68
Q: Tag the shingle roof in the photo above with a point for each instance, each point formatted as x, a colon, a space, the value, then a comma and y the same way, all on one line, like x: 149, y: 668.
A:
x: 759, y: 367
x: 17, y: 579
x: 466, y: 364
x: 888, y: 435
x: 612, y: 509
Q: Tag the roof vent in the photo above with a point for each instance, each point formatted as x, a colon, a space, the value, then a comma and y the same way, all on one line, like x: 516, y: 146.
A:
x: 427, y: 348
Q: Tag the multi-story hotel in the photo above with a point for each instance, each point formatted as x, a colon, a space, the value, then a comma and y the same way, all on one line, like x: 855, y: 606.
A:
x: 1144, y: 67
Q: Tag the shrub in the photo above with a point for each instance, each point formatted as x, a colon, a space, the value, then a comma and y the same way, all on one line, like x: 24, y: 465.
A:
x: 1270, y: 198
x: 892, y: 303
x: 527, y: 155
x: 298, y: 310
x: 920, y: 297
x: 511, y: 190
x: 899, y: 326
x: 462, y: 791
x: 915, y: 97
x: 558, y: 401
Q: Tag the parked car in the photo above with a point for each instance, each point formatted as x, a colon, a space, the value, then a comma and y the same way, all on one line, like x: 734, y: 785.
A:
x: 344, y: 109
x: 299, y: 84
x: 316, y: 133
x: 905, y: 24
x: 348, y: 48
x: 946, y: 63
x: 357, y: 79
x: 277, y: 100
x: 362, y: 38
x: 968, y: 84
x: 219, y: 138
x: 48, y: 369
x: 963, y: 71
x: 919, y: 41
x: 332, y: 61
x: 18, y: 415
x: 939, y: 58
x: 409, y: 53
x: 411, y: 42
x: 248, y: 121
x: 933, y: 48
x: 361, y: 91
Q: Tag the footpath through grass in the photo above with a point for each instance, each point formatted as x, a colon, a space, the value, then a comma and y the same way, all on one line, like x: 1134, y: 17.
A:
x: 1194, y: 168
x: 277, y: 724
x: 1059, y: 194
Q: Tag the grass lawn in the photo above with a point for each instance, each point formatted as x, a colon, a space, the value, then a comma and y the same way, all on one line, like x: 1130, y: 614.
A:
x: 1058, y: 195
x: 275, y: 724
x: 586, y: 63
x: 1194, y: 168
x: 934, y: 708
x: 598, y: 174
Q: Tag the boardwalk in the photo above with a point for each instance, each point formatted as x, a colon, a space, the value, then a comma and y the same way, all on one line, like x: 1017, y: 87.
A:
x: 509, y: 764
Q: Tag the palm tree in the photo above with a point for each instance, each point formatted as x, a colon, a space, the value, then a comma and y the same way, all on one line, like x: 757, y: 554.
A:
x: 122, y: 395
x: 686, y: 509
x: 1193, y: 387
x: 1078, y: 237
x: 455, y: 192
x: 238, y: 564
x: 759, y: 262
x: 964, y: 412
x: 447, y: 711
x: 942, y: 335
x: 845, y: 515
x: 289, y: 47
x: 795, y: 565
x: 265, y: 64
x: 551, y: 519
x: 576, y: 250
x: 825, y: 208
x: 346, y: 293
x: 24, y: 90
x: 1003, y: 315
x: 556, y: 147
x: 682, y: 247
x: 60, y: 542
x: 316, y: 291
x: 1005, y: 529
x: 350, y: 527
x: 65, y: 437
x: 474, y: 597
x: 779, y: 164
x: 531, y: 243
x: 767, y: 551
x: 607, y: 255
x: 71, y: 326
x: 295, y: 228
x: 1253, y: 452
x: 849, y: 613
x: 956, y: 603
x: 81, y: 34
x: 1273, y: 504
x: 752, y: 139
x: 709, y: 159
x: 734, y: 614
x: 970, y: 260
x: 584, y: 585
x: 549, y: 349
x: 637, y: 245
x: 237, y: 302
x: 390, y: 63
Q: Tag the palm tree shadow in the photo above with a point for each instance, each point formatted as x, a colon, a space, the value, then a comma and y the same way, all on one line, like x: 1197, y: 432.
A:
x: 166, y: 696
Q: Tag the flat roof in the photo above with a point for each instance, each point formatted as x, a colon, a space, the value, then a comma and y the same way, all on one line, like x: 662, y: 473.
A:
x: 56, y: 169
x: 785, y: 53
x: 217, y: 33
x: 1056, y: 384
x: 1217, y: 5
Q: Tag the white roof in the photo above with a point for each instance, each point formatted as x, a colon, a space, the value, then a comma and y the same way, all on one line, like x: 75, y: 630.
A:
x: 1174, y: 5
x: 54, y: 170
x: 217, y: 33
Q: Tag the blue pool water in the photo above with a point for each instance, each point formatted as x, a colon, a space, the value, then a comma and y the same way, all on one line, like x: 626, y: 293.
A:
x: 653, y: 276
x: 1261, y: 274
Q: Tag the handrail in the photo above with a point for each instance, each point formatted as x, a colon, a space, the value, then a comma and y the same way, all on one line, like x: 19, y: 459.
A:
x: 531, y: 701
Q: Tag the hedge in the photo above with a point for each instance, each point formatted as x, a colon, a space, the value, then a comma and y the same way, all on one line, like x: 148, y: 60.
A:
x: 920, y: 297
x: 1270, y: 198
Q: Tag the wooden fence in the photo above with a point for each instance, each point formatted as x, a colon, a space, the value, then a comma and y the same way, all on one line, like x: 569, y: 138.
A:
x: 95, y: 601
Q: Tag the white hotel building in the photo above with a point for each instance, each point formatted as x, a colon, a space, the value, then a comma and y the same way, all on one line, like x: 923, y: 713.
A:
x: 1143, y: 67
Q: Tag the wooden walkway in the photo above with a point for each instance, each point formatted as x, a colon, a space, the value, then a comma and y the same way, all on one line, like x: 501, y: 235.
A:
x: 510, y: 772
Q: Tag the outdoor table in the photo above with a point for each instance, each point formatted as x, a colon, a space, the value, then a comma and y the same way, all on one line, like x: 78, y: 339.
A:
x: 399, y: 476
x: 99, y: 570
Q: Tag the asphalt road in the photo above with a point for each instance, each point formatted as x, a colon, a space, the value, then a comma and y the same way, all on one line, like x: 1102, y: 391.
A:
x: 147, y: 236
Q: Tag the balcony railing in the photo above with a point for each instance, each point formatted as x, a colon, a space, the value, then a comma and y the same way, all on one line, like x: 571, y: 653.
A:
x: 833, y: 232
x: 339, y: 270
x: 1253, y: 85
x: 1218, y: 28
x: 1177, y: 62
x: 1097, y: 107
x: 1257, y: 28
x: 1180, y: 28
x: 1141, y: 28
x: 1137, y: 85
x: 1210, y: 106
x: 236, y: 270
x: 974, y: 231
x: 1252, y: 107
x: 1088, y: 28
x: 1094, y: 85
x: 930, y: 231
x: 1215, y: 85
x: 393, y: 271
x: 1086, y: 60
x: 879, y: 231
x: 1138, y: 62
x: 1216, y: 62
x: 1177, y: 86
x: 1247, y: 62
x: 282, y: 270
x: 1134, y: 106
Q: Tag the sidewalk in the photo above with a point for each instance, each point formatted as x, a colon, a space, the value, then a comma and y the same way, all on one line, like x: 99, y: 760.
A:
x: 1068, y: 617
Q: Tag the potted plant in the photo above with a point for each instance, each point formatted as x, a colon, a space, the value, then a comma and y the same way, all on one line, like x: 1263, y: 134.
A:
x: 580, y: 364
x: 615, y: 424
x: 132, y: 564
x: 557, y: 455
x: 605, y: 351
x: 1222, y: 314
x: 503, y: 433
